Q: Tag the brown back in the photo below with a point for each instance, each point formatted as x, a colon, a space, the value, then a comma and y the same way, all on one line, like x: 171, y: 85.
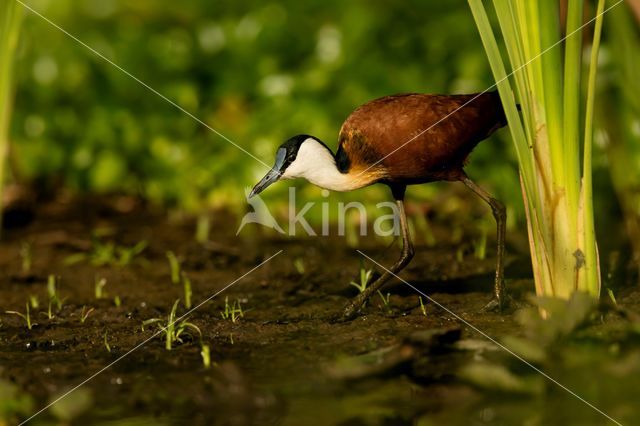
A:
x: 376, y: 129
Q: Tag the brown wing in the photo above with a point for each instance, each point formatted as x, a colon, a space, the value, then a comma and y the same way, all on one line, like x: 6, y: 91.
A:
x: 417, y: 137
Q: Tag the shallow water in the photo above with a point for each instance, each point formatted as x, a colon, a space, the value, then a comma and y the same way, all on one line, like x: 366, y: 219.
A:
x: 286, y: 360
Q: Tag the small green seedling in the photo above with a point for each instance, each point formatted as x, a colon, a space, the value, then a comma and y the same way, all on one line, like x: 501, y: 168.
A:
x: 49, y: 313
x: 106, y: 343
x: 299, y: 265
x: 52, y: 291
x: 98, y: 288
x: 34, y: 301
x: 385, y: 300
x: 422, y: 307
x: 480, y: 244
x: 365, y: 276
x: 186, y: 284
x: 174, y: 264
x: 205, y: 353
x: 126, y: 255
x: 612, y: 296
x: 233, y: 311
x: 108, y: 253
x: 85, y: 314
x: 26, y: 316
x: 460, y: 254
x: 173, y: 329
x: 202, y: 229
x: 116, y: 301
x: 26, y: 254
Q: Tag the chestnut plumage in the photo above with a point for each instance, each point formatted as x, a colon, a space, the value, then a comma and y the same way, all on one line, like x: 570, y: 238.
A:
x: 400, y: 140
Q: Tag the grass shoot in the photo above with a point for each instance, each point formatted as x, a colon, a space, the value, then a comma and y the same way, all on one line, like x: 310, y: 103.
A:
x: 108, y: 254
x: 84, y: 314
x: 298, y: 263
x: 174, y: 265
x: 26, y: 256
x: 480, y: 243
x: 186, y: 285
x: 98, y: 288
x: 203, y: 228
x: 52, y: 292
x: 34, y: 302
x: 423, y: 308
x: 386, y: 300
x: 232, y: 311
x: 26, y: 316
x: 365, y: 277
x: 173, y: 329
x: 205, y: 354
x: 106, y: 343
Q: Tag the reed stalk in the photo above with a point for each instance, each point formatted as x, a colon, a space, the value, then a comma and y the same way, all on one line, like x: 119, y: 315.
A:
x: 10, y: 19
x: 542, y: 72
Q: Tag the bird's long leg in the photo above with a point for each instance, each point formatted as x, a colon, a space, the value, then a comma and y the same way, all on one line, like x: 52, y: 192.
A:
x: 407, y: 254
x: 500, y: 215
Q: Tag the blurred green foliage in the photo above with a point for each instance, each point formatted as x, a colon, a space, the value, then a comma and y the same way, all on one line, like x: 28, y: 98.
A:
x: 258, y: 72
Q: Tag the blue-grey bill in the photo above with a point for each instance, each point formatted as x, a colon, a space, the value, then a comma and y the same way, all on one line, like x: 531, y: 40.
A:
x: 269, y: 178
x: 273, y: 175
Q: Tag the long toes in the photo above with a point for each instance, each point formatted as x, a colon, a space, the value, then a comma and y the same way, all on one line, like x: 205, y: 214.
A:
x: 351, y: 311
x: 498, y: 306
x: 492, y: 306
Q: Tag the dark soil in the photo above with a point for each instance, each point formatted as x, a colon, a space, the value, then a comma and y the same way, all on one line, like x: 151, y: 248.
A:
x: 285, y: 361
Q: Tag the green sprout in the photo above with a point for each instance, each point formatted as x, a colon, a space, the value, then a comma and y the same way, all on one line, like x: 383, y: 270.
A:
x: 480, y: 244
x: 173, y: 329
x: 34, y: 301
x: 26, y: 316
x: 232, y: 311
x: 385, y: 300
x: 85, y: 314
x: 26, y: 254
x: 98, y: 288
x: 108, y: 253
x: 174, y: 264
x: 186, y: 284
x: 52, y: 292
x: 299, y: 265
x: 203, y: 227
x: 365, y: 276
x: 205, y: 353
x: 422, y: 307
x: 106, y: 343
x: 49, y: 313
x: 116, y: 301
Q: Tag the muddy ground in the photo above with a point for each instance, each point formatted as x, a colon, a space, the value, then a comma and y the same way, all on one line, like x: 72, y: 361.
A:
x: 285, y: 360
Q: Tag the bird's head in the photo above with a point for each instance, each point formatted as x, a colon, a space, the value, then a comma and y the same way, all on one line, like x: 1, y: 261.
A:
x: 295, y: 158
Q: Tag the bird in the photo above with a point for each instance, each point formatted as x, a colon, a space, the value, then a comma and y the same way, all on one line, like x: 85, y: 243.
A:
x: 400, y: 140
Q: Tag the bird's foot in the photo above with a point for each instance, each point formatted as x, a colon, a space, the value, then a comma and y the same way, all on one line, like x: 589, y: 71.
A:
x: 351, y: 311
x: 498, y: 305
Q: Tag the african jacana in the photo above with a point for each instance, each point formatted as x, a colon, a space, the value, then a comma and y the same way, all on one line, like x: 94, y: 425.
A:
x: 384, y: 141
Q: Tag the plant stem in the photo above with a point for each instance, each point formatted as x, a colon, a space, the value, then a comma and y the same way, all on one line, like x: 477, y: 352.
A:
x: 10, y: 19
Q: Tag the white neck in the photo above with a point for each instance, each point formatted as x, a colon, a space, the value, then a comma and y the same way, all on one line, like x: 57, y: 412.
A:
x: 316, y: 163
